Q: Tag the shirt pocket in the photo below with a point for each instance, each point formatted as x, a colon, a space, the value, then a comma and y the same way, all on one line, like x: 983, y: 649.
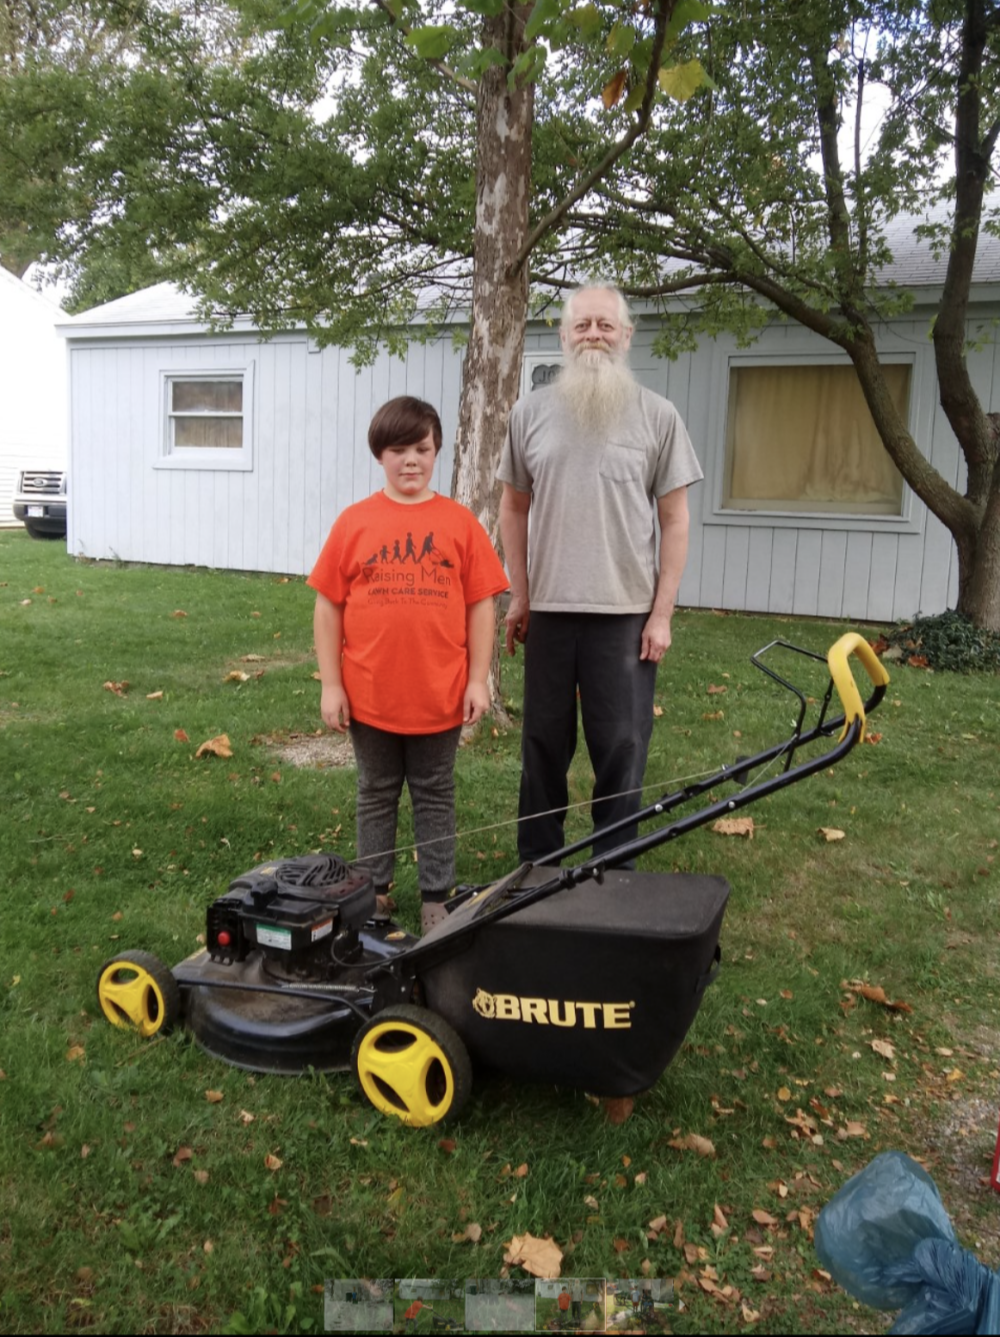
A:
x: 621, y: 463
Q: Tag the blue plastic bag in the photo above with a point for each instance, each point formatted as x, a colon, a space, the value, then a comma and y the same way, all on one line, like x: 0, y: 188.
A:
x: 886, y: 1238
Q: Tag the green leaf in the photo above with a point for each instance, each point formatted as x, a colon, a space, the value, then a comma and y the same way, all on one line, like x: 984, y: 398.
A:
x: 543, y: 14
x: 621, y: 40
x: 586, y: 18
x: 681, y: 81
x: 685, y: 12
x: 434, y: 41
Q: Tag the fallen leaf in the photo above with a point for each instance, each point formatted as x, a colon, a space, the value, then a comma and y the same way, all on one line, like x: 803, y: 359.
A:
x: 657, y: 1224
x: 522, y: 1171
x: 764, y: 1218
x: 183, y: 1154
x: 181, y: 736
x: 734, y: 826
x: 447, y: 1145
x: 831, y: 833
x: 618, y: 1108
x: 237, y: 675
x: 154, y: 696
x: 641, y: 1177
x: 208, y: 1246
x: 119, y: 688
x: 918, y: 661
x: 472, y: 1233
x: 714, y: 715
x: 591, y: 1202
x: 657, y: 711
x: 874, y: 993
x: 621, y: 1246
x: 213, y: 1097
x: 201, y: 1176
x: 884, y: 1048
x: 716, y: 691
x: 693, y: 1142
x: 178, y: 612
x: 784, y: 1093
x: 540, y: 1257
x: 216, y: 747
x: 272, y: 1162
x: 73, y: 1053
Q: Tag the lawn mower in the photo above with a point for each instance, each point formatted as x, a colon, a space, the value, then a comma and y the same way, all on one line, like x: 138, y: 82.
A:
x: 587, y: 976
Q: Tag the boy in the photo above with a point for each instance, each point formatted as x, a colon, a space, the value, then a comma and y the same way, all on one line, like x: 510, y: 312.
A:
x: 404, y: 629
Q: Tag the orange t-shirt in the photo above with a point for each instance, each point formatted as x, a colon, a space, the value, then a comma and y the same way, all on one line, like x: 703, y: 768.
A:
x: 405, y: 575
x: 564, y: 1300
x: 414, y: 1309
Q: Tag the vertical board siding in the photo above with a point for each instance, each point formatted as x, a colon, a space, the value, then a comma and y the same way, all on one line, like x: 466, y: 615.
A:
x: 311, y: 411
x: 833, y: 553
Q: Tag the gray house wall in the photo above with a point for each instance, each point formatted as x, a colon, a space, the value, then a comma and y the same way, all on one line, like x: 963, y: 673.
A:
x: 311, y: 413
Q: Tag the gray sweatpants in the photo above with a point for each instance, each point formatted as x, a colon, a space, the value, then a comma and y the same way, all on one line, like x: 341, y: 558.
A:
x: 427, y: 763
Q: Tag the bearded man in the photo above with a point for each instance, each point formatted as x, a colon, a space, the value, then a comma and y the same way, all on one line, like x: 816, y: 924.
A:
x: 590, y: 459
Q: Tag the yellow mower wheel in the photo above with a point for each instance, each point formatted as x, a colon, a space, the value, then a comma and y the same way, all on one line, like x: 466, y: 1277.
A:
x: 137, y: 990
x: 412, y: 1065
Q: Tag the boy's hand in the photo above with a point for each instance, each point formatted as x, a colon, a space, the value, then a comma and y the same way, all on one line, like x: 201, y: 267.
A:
x: 477, y: 702
x: 335, y: 708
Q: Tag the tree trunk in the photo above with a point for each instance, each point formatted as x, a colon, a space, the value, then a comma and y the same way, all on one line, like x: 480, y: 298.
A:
x: 492, y: 371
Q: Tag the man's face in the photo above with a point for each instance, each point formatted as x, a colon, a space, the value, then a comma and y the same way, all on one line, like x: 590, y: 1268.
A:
x: 595, y: 323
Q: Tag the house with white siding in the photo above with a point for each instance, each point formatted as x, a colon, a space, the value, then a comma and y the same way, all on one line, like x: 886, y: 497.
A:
x: 33, y: 422
x: 225, y: 449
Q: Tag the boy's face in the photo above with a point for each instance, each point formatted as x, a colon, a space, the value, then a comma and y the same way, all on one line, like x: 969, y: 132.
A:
x: 408, y: 470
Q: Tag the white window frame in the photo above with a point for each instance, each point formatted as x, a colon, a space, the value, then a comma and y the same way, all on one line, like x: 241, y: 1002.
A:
x: 530, y: 361
x: 232, y: 458
x: 908, y: 521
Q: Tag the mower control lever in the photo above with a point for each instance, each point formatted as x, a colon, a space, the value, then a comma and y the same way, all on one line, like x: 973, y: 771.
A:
x: 843, y: 678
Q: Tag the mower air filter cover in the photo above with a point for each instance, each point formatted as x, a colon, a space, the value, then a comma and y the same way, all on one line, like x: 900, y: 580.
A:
x: 594, y: 987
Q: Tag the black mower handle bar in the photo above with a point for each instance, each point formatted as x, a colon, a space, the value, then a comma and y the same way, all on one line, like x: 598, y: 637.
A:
x: 496, y: 899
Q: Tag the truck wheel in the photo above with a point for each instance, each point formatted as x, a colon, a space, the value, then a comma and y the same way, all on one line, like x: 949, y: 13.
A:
x: 137, y: 990
x: 412, y: 1065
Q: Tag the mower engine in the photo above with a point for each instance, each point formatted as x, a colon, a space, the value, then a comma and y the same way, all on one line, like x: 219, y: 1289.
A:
x: 303, y: 916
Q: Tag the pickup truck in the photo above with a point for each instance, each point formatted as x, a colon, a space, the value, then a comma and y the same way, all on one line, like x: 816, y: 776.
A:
x: 40, y: 501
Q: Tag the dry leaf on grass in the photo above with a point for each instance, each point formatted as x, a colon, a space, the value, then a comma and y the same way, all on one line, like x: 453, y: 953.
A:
x: 183, y: 1154
x: 154, y: 696
x: 119, y: 688
x: 272, y: 1162
x: 213, y: 1097
x: 734, y: 826
x: 219, y: 746
x: 831, y: 833
x: 618, y: 1108
x: 472, y: 1233
x: 874, y: 993
x: 693, y: 1142
x: 540, y: 1257
x: 181, y: 736
x: 884, y: 1048
x: 237, y: 675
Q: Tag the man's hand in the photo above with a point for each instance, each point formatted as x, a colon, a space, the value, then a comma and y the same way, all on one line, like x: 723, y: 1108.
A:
x: 516, y: 621
x: 655, y: 637
x: 335, y: 708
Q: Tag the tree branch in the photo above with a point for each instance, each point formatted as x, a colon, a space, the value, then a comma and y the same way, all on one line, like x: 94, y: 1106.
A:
x: 665, y: 9
x: 439, y: 65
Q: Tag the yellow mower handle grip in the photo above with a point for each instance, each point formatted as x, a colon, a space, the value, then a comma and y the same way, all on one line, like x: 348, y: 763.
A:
x: 843, y: 679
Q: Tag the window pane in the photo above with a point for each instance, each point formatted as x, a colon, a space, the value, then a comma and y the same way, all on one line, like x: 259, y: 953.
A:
x: 212, y: 433
x: 802, y: 439
x: 207, y: 396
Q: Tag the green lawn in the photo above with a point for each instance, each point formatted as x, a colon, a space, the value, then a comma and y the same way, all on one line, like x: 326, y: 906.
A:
x: 131, y: 1201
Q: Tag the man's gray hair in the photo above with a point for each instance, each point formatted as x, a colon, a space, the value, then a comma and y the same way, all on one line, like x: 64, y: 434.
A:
x: 624, y: 314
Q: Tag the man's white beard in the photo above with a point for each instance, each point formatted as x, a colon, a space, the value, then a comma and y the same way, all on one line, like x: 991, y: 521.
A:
x: 596, y: 387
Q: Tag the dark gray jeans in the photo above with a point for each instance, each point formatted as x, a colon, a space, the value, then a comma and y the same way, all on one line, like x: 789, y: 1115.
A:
x: 427, y: 763
x: 597, y: 654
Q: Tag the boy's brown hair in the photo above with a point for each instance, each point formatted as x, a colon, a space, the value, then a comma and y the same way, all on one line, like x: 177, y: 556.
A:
x: 403, y: 421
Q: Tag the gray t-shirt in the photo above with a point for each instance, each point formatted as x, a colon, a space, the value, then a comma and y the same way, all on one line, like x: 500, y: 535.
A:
x: 592, y: 536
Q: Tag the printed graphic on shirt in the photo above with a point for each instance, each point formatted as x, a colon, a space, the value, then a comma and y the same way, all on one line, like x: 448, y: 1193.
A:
x: 401, y: 566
